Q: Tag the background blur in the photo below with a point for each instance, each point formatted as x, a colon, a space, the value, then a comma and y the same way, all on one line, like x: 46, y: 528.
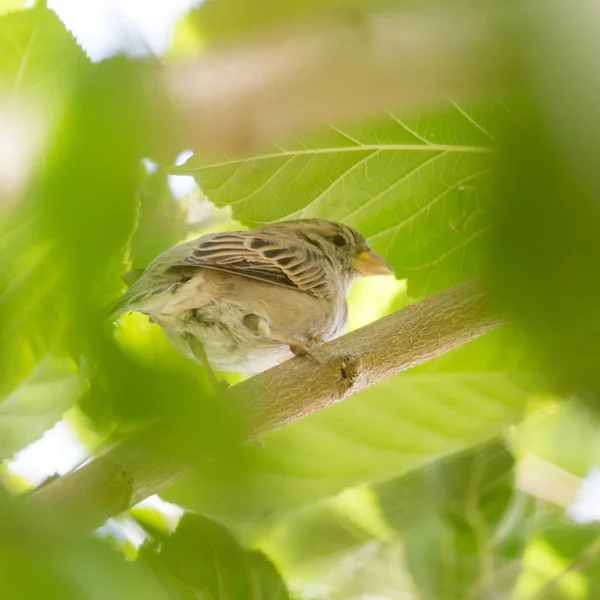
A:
x: 470, y: 477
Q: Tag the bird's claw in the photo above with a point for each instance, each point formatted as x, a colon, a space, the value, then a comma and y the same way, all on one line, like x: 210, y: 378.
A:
x: 300, y: 349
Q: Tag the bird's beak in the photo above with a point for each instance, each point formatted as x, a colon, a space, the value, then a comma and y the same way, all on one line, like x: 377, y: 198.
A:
x: 369, y: 263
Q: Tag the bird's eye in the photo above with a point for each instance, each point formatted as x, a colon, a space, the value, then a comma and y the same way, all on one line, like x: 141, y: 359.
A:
x: 339, y: 240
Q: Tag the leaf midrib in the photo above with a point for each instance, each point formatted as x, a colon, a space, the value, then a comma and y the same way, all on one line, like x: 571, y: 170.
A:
x: 333, y: 150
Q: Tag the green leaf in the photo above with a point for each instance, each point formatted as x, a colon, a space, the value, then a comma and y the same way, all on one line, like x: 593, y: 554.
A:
x: 41, y: 558
x: 309, y: 543
x: 37, y: 404
x: 561, y: 559
x: 38, y: 56
x: 7, y: 6
x: 455, y: 529
x: 574, y: 425
x: 222, y: 19
x: 161, y: 221
x: 415, y: 186
x: 391, y: 429
x: 463, y: 524
x: 39, y: 62
x: 203, y: 556
x: 32, y: 312
x: 547, y: 252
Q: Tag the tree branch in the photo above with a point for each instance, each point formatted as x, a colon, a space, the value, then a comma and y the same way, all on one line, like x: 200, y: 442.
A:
x: 341, y: 65
x: 127, y: 474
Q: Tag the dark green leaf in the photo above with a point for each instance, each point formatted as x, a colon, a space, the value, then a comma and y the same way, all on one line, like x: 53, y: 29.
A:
x: 40, y: 559
x: 463, y: 524
x: 204, y: 556
x: 547, y: 252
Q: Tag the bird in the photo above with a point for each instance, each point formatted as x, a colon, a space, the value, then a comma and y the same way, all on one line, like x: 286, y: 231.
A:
x: 245, y: 301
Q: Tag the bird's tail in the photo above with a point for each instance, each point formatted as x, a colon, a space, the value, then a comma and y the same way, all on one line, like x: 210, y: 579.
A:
x: 138, y: 298
x: 123, y: 302
x: 116, y: 308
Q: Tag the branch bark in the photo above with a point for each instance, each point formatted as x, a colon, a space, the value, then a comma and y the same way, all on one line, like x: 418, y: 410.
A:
x: 342, y: 65
x: 133, y: 471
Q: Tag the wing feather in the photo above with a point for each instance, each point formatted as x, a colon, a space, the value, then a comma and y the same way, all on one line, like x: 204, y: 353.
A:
x: 264, y: 257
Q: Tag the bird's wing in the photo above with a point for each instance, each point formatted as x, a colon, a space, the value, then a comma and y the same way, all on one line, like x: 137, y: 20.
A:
x: 266, y: 258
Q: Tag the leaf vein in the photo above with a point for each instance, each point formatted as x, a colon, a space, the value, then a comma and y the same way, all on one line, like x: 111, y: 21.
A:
x: 381, y: 147
x: 403, y: 178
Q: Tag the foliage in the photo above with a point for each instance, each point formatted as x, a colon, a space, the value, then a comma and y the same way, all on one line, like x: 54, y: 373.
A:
x: 415, y: 186
x: 202, y: 555
x: 407, y: 490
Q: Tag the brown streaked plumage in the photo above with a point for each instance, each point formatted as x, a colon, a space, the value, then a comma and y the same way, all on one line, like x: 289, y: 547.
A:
x: 246, y: 300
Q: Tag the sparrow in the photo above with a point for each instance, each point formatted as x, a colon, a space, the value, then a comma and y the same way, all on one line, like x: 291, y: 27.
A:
x: 245, y: 301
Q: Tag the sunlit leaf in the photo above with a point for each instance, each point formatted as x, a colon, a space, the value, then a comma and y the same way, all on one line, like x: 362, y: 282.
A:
x: 561, y: 560
x: 37, y: 404
x: 38, y: 56
x: 11, y: 5
x: 416, y: 186
x: 39, y: 61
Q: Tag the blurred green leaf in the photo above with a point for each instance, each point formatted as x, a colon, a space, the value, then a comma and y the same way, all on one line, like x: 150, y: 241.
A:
x: 40, y: 559
x: 545, y: 259
x: 395, y: 427
x: 316, y: 541
x: 161, y: 221
x: 39, y: 65
x: 566, y: 435
x: 87, y: 213
x: 463, y: 524
x: 7, y: 6
x: 312, y: 540
x: 126, y: 395
x: 37, y: 404
x: 38, y: 56
x: 33, y: 314
x: 88, y: 210
x: 91, y: 216
x: 547, y: 252
x: 219, y: 19
x: 207, y: 562
x: 416, y: 186
x: 455, y: 529
x: 561, y: 560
